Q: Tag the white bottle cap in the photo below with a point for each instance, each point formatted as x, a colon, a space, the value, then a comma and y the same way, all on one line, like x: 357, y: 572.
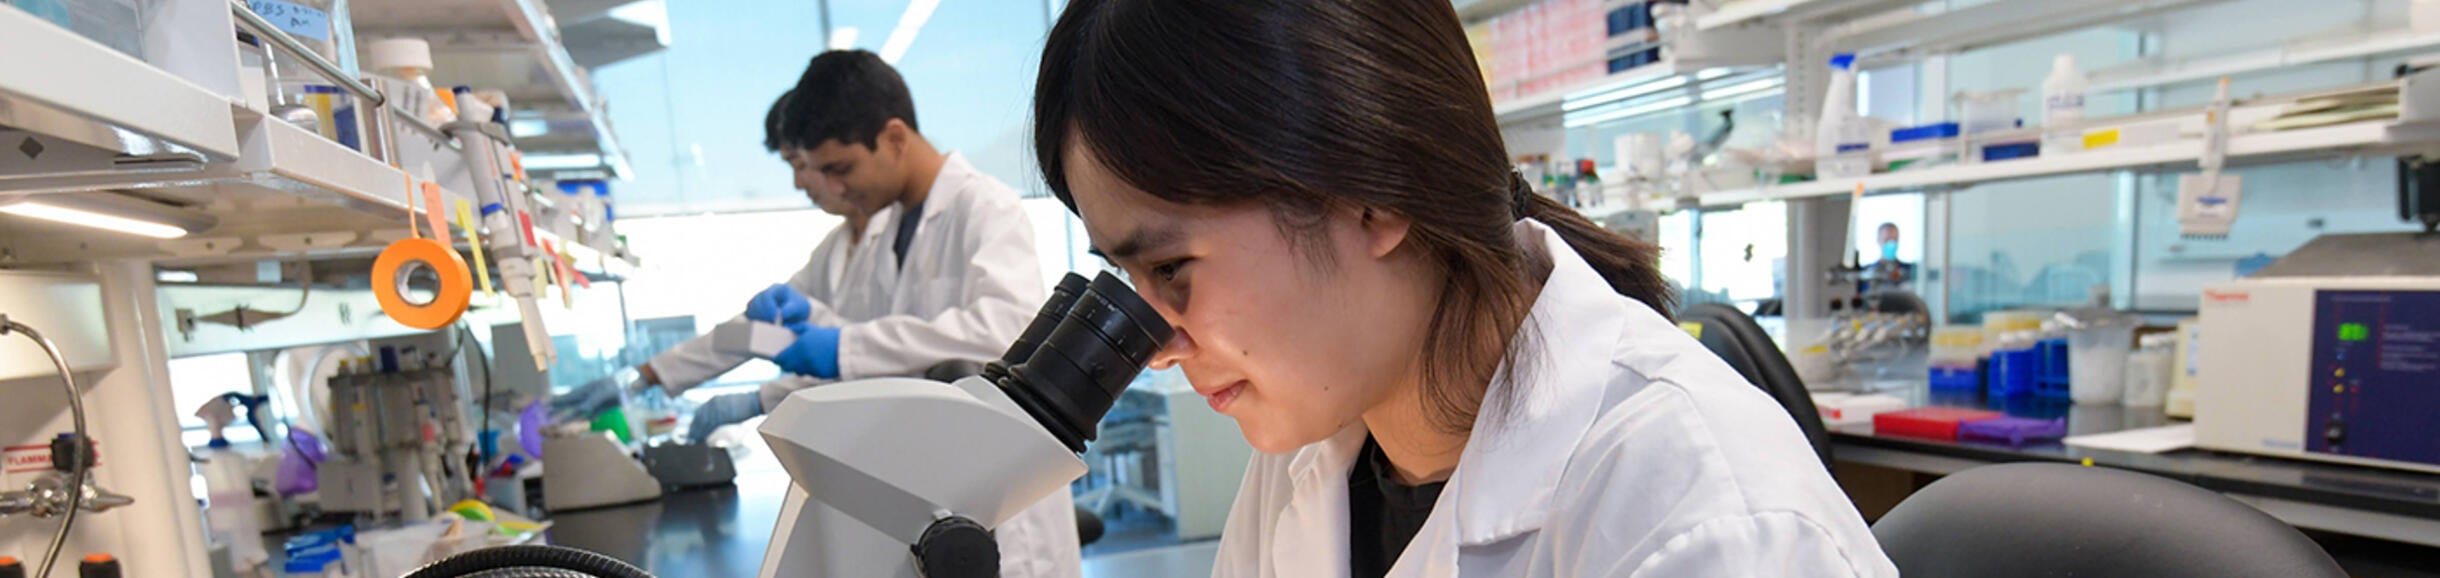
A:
x: 388, y: 53
x: 2063, y: 62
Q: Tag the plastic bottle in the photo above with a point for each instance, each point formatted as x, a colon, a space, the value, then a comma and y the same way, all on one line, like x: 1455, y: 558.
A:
x: 2063, y: 107
x: 410, y: 60
x: 1840, y: 147
x: 2148, y: 371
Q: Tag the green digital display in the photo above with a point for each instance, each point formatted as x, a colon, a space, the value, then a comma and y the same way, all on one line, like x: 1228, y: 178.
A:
x: 2353, y: 332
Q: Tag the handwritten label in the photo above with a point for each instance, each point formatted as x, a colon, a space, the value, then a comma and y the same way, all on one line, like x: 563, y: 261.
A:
x: 293, y: 18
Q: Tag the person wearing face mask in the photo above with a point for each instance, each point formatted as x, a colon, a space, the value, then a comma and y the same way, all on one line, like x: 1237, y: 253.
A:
x: 1444, y: 373
x: 1888, y: 274
x: 951, y: 276
x: 831, y: 296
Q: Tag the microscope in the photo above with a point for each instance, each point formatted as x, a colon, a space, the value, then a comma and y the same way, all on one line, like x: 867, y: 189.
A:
x: 905, y: 478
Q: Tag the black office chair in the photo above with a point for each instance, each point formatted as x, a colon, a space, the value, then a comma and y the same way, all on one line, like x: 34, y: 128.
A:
x: 2047, y: 519
x: 1734, y: 337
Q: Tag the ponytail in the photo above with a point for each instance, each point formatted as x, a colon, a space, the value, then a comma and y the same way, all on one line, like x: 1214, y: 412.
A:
x: 1630, y: 265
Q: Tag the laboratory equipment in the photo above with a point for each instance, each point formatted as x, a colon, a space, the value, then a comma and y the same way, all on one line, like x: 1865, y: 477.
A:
x: 1842, y: 140
x: 880, y: 465
x: 689, y: 465
x: 2328, y: 354
x: 2012, y: 431
x: 2099, y: 340
x: 69, y: 486
x: 2062, y: 107
x: 1984, y: 112
x: 2016, y: 365
x: 1955, y: 357
x: 1842, y: 409
x: 398, y: 433
x: 408, y: 62
x: 2149, y: 370
x: 1928, y: 422
x: 2187, y: 359
x: 590, y: 470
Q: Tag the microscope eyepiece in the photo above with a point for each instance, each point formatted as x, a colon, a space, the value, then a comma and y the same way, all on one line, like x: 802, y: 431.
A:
x: 1077, y: 368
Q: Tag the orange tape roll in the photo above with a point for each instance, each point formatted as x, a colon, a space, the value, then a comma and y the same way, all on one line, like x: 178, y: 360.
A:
x: 403, y: 258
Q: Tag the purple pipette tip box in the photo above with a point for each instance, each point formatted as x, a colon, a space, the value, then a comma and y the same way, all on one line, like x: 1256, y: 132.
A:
x: 2014, y: 431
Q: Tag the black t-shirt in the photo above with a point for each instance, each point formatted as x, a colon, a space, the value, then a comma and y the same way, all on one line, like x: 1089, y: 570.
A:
x: 906, y: 233
x: 1382, y: 514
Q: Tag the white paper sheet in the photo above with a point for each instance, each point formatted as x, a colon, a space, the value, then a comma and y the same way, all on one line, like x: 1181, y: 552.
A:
x: 2146, y: 441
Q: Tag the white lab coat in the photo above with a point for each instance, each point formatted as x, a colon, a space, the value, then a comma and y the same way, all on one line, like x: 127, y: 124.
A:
x: 1631, y: 451
x: 824, y: 280
x: 970, y: 284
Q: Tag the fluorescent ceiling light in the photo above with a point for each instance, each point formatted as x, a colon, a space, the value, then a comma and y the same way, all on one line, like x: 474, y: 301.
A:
x: 1741, y: 89
x: 844, y: 37
x: 918, y: 12
x: 528, y: 127
x: 1623, y: 93
x: 1665, y: 104
x: 550, y: 162
x: 83, y: 218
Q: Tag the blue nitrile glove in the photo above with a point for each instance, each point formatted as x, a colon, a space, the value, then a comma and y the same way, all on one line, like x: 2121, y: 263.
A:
x: 815, y: 353
x: 723, y: 410
x: 779, y: 304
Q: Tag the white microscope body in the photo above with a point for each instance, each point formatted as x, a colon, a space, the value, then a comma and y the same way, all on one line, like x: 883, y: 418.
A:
x: 901, y: 477
x: 889, y: 457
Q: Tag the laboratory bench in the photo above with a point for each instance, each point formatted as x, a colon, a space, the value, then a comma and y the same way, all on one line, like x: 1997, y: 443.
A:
x: 2330, y: 501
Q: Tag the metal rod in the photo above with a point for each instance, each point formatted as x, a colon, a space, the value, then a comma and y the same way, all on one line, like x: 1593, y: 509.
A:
x: 78, y: 470
x: 264, y: 29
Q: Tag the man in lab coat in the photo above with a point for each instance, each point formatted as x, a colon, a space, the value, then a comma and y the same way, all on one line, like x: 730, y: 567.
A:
x: 823, y: 280
x: 953, y: 269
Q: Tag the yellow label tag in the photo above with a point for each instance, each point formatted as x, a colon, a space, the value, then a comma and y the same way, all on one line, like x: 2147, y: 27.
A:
x: 474, y: 242
x: 2101, y: 138
x: 1691, y: 328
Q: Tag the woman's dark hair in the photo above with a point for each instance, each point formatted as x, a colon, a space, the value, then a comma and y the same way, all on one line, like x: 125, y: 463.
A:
x: 1303, y: 105
x: 775, y: 125
x: 846, y: 96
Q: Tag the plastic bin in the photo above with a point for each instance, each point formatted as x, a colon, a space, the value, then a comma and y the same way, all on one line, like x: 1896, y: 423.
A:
x: 1929, y: 422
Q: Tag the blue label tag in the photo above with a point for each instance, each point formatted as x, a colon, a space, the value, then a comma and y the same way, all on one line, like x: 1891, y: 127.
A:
x: 295, y: 19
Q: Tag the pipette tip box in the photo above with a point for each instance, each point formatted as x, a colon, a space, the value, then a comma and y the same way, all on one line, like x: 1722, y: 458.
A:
x: 1928, y: 422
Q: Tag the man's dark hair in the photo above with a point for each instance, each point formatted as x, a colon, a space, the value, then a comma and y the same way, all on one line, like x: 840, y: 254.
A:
x: 847, y: 96
x: 775, y: 125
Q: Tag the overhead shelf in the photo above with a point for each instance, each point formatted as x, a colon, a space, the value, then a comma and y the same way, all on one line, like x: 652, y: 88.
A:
x: 2368, y: 137
x: 2393, y: 42
x: 1907, y: 34
x: 1550, y: 104
x: 511, y: 45
x: 59, y: 84
x: 1773, y: 12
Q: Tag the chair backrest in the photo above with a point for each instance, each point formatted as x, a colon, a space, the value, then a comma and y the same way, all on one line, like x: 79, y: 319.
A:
x: 2047, y: 519
x: 1735, y: 337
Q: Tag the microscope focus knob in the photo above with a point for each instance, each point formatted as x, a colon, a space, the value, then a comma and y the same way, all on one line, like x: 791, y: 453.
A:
x: 957, y: 547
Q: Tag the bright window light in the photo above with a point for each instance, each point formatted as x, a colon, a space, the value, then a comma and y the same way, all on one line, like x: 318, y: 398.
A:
x: 1670, y: 103
x: 91, y: 219
x: 844, y: 37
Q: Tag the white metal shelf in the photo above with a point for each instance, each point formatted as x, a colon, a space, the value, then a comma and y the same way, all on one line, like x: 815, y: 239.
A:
x: 512, y: 45
x: 60, y: 84
x: 1772, y: 12
x: 2369, y: 137
x: 1549, y: 104
x: 2390, y: 42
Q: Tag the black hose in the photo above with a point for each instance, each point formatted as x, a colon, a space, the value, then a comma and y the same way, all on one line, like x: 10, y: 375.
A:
x: 479, y: 562
x: 529, y: 573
